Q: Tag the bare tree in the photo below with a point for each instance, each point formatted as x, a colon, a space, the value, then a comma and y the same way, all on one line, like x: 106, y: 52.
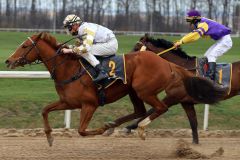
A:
x: 193, y: 4
x: 154, y: 15
x: 210, y: 7
x: 0, y: 8
x: 134, y: 18
x: 236, y: 18
x: 0, y: 12
x: 63, y: 10
x: 100, y: 11
x: 92, y: 9
x: 176, y: 21
x: 33, y: 12
x: 126, y: 5
x: 86, y: 9
x: 8, y: 10
x: 15, y: 14
x: 226, y: 11
x: 168, y: 12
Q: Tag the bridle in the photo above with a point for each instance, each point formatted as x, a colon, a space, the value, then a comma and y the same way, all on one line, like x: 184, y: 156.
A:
x: 23, y: 60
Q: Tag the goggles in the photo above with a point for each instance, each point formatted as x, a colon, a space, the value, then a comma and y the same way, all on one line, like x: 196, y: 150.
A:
x: 69, y: 27
x: 193, y: 19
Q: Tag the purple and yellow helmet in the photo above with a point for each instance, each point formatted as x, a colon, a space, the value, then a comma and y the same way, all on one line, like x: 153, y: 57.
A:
x: 193, y: 16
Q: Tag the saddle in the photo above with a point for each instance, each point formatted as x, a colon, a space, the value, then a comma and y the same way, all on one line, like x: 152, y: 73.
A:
x: 115, y: 67
x: 223, y: 72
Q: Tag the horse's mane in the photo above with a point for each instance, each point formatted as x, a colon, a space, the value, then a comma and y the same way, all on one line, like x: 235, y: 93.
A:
x: 162, y: 43
x: 49, y: 39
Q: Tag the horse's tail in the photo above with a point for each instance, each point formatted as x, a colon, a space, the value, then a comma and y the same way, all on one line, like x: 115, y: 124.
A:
x: 204, y: 90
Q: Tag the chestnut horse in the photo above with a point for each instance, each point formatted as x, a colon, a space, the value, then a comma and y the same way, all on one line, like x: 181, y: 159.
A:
x: 179, y: 57
x: 147, y: 75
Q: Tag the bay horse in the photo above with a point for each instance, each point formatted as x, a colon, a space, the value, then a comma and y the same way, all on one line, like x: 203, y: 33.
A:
x: 147, y: 75
x: 179, y: 57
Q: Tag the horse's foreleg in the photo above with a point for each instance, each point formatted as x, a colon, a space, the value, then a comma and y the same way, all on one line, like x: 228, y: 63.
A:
x: 191, y: 113
x: 47, y: 129
x: 85, y: 117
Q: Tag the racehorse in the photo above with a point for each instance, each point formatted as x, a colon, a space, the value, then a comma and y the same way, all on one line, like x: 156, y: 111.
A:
x: 179, y: 57
x: 146, y: 74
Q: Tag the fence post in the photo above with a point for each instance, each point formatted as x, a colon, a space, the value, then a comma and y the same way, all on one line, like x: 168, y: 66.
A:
x: 205, y: 120
x: 67, y: 118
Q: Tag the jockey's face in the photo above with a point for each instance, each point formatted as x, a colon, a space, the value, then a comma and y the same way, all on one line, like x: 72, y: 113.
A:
x: 74, y: 29
x: 192, y: 26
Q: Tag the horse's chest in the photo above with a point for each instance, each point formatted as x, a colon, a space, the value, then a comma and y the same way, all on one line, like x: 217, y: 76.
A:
x: 77, y: 97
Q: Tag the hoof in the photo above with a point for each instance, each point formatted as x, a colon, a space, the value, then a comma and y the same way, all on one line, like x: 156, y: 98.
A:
x: 50, y: 141
x: 126, y: 131
x: 110, y: 124
x: 108, y: 132
x: 141, y: 133
x: 195, y: 142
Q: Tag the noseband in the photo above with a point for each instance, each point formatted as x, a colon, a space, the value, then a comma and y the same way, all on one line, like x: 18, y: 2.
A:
x: 23, y: 59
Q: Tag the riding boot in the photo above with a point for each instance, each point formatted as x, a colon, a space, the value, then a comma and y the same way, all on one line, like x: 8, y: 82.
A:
x: 102, y: 74
x: 211, y: 70
x: 202, y: 62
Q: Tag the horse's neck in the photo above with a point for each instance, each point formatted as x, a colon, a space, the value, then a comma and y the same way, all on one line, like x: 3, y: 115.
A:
x: 183, y: 62
x: 63, y: 68
x: 188, y: 63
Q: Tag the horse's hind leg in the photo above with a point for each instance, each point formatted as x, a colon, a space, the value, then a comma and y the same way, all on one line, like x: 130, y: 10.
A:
x: 191, y: 113
x: 134, y: 125
x: 47, y: 129
x: 160, y: 108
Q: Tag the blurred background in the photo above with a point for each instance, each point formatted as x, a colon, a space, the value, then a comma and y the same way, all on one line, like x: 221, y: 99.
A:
x: 119, y: 15
x: 22, y: 100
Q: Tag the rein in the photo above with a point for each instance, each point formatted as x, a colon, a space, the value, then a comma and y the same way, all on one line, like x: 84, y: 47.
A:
x: 76, y: 75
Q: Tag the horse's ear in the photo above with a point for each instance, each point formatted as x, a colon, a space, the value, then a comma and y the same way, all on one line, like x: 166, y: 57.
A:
x: 146, y: 35
x: 39, y: 35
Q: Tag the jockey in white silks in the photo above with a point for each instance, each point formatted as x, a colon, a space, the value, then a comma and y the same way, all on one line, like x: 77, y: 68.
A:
x: 96, y: 40
x: 204, y: 27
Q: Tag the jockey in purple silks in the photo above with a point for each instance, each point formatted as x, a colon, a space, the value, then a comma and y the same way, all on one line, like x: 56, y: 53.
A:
x: 203, y: 27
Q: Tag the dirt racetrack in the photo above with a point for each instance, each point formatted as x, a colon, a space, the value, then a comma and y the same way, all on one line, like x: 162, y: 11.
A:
x: 159, y: 144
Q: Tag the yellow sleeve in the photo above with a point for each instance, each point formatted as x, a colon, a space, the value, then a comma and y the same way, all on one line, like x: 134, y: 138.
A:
x: 190, y: 37
x: 88, y: 39
x: 202, y: 28
x: 87, y: 42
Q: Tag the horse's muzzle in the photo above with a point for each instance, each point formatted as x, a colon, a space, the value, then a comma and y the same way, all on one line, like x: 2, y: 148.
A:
x: 10, y: 64
x: 7, y: 61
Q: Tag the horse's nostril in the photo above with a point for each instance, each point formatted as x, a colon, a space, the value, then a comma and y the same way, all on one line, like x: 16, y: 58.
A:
x: 7, y: 61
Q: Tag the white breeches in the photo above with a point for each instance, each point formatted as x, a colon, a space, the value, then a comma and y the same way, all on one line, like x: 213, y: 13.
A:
x: 101, y: 49
x: 219, y: 48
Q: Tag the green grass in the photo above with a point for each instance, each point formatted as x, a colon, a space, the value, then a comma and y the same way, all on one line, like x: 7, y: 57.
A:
x: 21, y: 100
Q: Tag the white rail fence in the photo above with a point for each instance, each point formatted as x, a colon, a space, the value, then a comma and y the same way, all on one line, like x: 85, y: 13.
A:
x: 139, y: 33
x: 67, y: 117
